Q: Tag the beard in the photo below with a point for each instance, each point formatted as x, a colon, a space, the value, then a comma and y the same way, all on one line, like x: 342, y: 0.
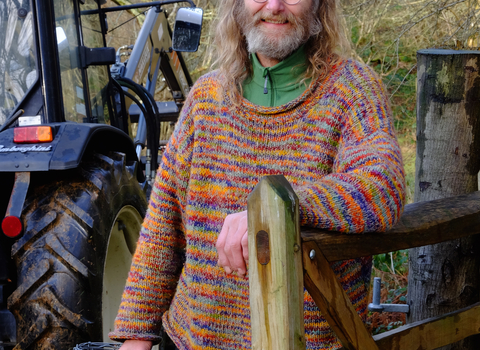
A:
x: 272, y: 45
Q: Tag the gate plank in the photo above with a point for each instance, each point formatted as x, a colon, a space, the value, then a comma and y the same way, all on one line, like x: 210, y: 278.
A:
x: 322, y: 284
x: 433, y: 332
x: 421, y: 224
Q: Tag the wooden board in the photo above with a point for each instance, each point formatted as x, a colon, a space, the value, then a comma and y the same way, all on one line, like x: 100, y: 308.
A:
x: 434, y: 332
x: 333, y: 302
x: 421, y: 224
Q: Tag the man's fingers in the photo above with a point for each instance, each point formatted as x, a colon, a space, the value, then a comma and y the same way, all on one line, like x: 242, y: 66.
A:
x: 230, y: 245
x: 222, y: 257
x: 136, y: 345
x: 245, y: 246
x: 243, y: 237
x: 233, y: 249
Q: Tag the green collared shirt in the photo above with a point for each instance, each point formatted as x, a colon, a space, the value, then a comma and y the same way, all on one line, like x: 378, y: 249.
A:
x: 277, y: 85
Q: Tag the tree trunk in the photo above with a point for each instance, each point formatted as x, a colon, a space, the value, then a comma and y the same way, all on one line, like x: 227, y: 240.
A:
x: 445, y: 277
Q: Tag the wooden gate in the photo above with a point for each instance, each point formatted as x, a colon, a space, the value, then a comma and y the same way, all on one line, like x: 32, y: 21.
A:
x: 280, y: 250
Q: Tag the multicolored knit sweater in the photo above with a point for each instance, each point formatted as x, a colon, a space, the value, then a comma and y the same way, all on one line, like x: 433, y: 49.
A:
x: 335, y: 144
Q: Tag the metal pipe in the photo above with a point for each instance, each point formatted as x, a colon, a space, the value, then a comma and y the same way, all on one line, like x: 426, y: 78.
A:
x: 377, y: 285
x: 375, y: 305
x: 141, y: 135
x: 136, y: 6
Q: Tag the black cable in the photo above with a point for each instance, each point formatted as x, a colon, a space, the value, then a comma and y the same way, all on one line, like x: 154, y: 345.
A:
x: 155, y: 120
x: 115, y: 86
x: 144, y: 111
x: 133, y: 98
x: 150, y: 117
x: 147, y: 113
x: 147, y: 93
x: 154, y: 104
x: 142, y: 108
x: 150, y: 96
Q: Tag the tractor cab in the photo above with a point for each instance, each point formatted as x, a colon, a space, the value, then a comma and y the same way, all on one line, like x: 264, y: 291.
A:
x: 47, y: 66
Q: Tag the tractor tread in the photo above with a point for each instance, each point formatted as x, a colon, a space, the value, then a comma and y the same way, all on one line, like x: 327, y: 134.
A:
x: 60, y: 258
x: 75, y: 209
x: 96, y: 181
x: 54, y: 243
x: 38, y: 226
x: 72, y: 317
x: 35, y: 331
x: 41, y: 270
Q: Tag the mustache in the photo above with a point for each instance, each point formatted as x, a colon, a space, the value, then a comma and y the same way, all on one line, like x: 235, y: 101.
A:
x: 268, y: 16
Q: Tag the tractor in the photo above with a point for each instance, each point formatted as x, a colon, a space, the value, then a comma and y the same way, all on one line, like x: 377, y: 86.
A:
x: 79, y: 146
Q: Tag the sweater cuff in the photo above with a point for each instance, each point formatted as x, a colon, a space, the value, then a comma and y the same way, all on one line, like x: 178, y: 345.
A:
x: 122, y: 336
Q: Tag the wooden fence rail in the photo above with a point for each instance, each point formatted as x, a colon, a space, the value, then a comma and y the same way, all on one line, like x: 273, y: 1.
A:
x: 276, y: 283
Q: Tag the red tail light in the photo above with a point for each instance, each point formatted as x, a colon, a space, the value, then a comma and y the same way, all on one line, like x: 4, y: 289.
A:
x: 12, y: 226
x: 32, y: 134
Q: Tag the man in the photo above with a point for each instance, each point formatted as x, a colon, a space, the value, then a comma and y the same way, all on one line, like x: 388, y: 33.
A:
x: 282, y: 102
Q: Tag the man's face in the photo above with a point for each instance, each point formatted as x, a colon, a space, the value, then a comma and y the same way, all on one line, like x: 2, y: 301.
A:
x: 275, y: 29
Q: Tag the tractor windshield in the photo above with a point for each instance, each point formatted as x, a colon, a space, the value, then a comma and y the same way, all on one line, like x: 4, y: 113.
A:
x: 84, y: 90
x: 18, y: 66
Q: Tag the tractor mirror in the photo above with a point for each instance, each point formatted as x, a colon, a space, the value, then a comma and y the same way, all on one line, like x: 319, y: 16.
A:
x: 187, y: 30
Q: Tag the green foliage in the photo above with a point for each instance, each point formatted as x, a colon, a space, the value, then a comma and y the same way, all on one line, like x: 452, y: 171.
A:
x: 395, y: 293
x: 387, y: 34
x: 388, y: 327
x: 394, y: 262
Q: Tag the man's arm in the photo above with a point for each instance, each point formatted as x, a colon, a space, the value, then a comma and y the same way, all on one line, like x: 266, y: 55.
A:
x: 160, y: 253
x: 365, y: 190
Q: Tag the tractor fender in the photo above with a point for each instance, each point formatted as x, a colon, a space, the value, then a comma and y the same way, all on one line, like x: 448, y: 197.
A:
x: 70, y: 142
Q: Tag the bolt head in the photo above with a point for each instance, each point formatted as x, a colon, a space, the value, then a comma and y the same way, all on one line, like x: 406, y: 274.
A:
x: 22, y: 13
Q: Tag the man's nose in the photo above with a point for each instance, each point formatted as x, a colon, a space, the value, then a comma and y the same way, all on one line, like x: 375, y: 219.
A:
x: 275, y: 6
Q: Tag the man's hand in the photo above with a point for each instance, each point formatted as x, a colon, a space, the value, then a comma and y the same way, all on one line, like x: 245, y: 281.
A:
x: 232, y: 244
x: 136, y: 345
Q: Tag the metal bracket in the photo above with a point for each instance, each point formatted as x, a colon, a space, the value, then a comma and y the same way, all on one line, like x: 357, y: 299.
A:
x: 375, y: 306
x: 19, y: 193
x: 97, y: 56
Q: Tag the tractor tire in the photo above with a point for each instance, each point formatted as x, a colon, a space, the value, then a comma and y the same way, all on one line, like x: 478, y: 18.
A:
x: 81, y: 228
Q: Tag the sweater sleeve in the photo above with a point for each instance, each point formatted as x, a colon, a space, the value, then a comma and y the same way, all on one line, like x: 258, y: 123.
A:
x: 365, y: 192
x: 160, y: 252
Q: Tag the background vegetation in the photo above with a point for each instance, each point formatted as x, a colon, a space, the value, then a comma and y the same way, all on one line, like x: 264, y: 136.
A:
x: 386, y: 35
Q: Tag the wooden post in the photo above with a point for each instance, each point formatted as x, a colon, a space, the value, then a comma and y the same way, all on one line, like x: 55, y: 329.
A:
x: 444, y: 277
x: 275, y: 267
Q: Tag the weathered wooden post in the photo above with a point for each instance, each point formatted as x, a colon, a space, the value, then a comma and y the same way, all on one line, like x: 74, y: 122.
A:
x: 275, y: 267
x: 445, y: 277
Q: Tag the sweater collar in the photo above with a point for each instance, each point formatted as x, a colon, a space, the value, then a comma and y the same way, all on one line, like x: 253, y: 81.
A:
x: 284, y: 76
